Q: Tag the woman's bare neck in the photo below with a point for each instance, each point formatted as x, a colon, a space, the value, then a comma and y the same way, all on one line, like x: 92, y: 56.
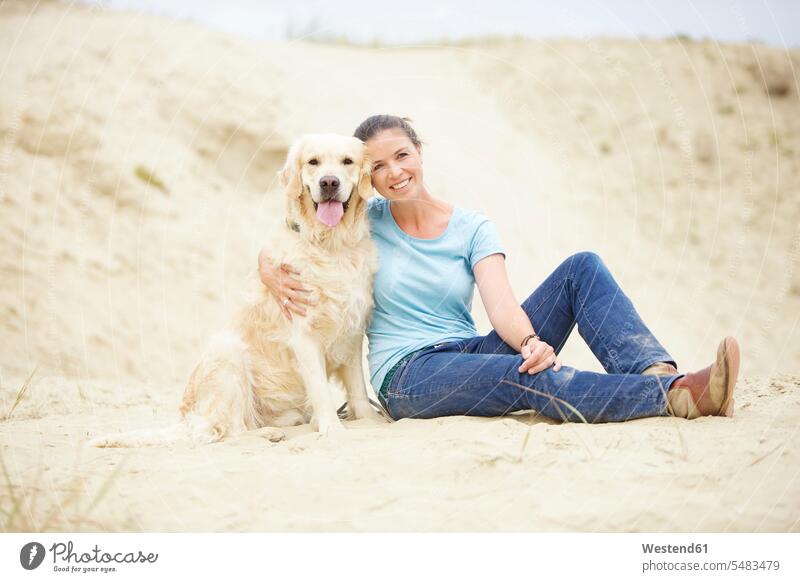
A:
x: 425, y: 217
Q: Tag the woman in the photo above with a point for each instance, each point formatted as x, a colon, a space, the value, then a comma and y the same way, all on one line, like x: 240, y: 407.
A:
x: 425, y: 356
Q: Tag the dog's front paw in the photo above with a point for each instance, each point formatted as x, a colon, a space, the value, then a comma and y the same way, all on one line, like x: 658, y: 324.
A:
x: 330, y: 426
x: 370, y: 414
x: 364, y: 410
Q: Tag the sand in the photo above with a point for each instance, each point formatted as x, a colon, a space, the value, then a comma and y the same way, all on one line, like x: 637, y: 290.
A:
x: 137, y: 184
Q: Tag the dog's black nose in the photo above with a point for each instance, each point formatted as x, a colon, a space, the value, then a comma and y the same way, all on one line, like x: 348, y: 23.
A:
x: 329, y: 186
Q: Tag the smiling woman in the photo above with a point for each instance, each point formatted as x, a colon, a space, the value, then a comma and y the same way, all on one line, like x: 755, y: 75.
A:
x: 425, y: 355
x: 396, y: 154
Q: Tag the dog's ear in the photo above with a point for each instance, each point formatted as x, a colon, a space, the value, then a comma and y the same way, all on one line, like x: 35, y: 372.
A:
x: 365, y: 179
x: 289, y: 175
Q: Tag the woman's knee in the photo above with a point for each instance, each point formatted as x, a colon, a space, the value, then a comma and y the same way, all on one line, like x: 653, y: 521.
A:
x: 577, y: 265
x: 586, y: 259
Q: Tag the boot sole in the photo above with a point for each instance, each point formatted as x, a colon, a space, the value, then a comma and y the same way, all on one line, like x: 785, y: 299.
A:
x: 732, y: 357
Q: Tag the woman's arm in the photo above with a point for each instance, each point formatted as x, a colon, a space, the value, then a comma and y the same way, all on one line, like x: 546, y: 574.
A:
x: 507, y: 318
x: 282, y: 285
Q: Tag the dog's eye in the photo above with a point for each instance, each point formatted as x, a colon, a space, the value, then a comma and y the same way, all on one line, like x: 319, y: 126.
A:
x: 313, y: 161
x: 347, y: 161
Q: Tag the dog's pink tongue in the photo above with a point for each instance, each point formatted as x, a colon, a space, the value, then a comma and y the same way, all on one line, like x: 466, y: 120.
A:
x: 330, y: 213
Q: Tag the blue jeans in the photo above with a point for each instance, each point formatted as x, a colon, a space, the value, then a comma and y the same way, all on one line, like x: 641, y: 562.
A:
x: 479, y: 377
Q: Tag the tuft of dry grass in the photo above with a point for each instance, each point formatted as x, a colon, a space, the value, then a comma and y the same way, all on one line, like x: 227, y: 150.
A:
x: 22, y: 512
x: 774, y: 71
x: 704, y: 146
x: 149, y: 178
x: 20, y: 394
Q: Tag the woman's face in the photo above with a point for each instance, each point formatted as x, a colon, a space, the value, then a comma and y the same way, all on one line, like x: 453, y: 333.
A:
x: 396, y: 165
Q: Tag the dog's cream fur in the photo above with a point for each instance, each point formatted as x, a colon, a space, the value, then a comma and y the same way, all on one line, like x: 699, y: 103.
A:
x: 267, y: 372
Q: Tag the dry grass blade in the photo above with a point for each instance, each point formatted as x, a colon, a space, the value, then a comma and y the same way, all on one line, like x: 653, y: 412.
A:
x: 21, y: 393
x: 555, y: 400
x: 10, y: 516
x: 149, y: 178
x: 104, y: 488
x: 11, y: 521
x: 16, y: 501
x: 72, y: 498
x: 61, y: 505
x: 684, y: 447
x: 524, y: 444
x: 765, y: 455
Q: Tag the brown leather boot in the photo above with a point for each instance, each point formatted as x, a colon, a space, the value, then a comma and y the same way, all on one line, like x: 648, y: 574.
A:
x: 709, y: 391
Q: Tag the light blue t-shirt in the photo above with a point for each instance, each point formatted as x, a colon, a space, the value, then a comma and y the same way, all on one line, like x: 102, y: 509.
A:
x: 424, y: 287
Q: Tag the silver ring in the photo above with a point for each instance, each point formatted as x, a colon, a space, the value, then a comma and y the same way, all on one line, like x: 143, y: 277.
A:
x: 285, y: 301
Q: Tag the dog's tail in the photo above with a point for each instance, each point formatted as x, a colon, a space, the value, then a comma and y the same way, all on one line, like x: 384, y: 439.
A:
x: 191, y: 429
x: 142, y: 438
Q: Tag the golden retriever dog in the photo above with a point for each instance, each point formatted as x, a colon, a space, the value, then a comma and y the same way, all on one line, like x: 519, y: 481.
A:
x: 266, y: 372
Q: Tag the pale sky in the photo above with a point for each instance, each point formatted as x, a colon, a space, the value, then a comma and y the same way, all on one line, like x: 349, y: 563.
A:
x: 775, y: 22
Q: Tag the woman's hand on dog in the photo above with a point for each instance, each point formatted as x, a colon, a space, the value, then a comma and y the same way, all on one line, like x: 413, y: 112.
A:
x: 281, y: 281
x: 537, y: 356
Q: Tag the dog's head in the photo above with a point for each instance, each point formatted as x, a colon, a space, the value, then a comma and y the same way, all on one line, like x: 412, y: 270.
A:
x: 326, y: 178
